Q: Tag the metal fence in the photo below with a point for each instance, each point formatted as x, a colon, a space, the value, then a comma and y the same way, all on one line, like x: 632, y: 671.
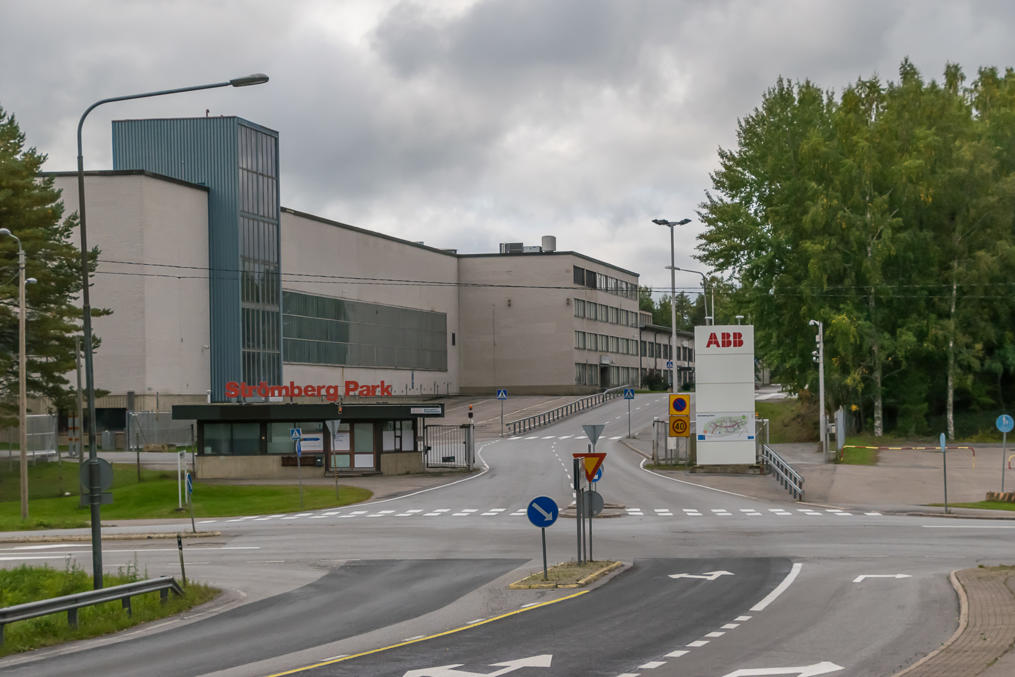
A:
x: 448, y: 446
x: 665, y: 451
x: 157, y: 428
x: 784, y: 473
x: 42, y: 438
x: 570, y: 409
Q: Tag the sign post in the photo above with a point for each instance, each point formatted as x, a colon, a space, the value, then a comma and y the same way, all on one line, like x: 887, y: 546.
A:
x: 944, y: 467
x: 1004, y: 423
x: 592, y: 463
x: 295, y: 434
x: 628, y: 395
x: 502, y: 395
x: 543, y: 513
x: 577, y: 504
x: 190, y: 501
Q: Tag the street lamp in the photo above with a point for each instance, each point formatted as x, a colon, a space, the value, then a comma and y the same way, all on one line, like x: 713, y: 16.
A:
x: 673, y: 301
x: 819, y: 355
x: 22, y: 398
x: 709, y: 319
x: 94, y: 489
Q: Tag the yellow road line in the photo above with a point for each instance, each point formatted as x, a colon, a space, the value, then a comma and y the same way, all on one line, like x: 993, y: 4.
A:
x: 428, y: 637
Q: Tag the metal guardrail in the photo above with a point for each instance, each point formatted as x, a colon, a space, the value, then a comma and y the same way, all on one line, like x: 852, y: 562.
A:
x: 789, y: 478
x: 547, y: 417
x: 71, y: 603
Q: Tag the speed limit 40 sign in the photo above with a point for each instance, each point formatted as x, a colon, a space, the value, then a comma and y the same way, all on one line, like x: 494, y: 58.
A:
x: 680, y: 426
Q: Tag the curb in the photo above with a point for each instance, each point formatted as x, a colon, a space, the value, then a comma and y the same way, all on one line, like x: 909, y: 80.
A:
x: 81, y: 538
x: 963, y: 623
x: 550, y: 585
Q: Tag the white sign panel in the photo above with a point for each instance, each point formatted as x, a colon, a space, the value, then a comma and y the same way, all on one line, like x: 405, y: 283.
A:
x: 724, y: 389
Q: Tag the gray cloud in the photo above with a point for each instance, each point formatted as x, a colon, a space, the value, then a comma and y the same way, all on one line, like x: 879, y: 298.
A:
x: 465, y: 124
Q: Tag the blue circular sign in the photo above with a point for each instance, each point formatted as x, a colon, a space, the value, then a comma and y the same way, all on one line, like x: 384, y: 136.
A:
x: 599, y: 474
x: 542, y: 511
x: 1005, y: 423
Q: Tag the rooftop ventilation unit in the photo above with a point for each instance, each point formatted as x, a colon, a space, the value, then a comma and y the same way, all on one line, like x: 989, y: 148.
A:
x: 512, y: 247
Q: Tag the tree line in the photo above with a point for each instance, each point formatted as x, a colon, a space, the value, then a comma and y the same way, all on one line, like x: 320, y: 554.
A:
x: 886, y: 213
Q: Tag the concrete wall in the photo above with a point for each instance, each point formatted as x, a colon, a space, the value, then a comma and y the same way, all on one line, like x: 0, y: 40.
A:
x: 519, y: 331
x: 401, y: 463
x: 339, y: 254
x: 153, y: 340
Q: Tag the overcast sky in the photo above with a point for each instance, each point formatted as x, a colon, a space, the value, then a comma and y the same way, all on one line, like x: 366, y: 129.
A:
x: 469, y: 123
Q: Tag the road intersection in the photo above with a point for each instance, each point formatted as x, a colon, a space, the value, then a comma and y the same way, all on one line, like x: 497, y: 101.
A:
x: 426, y: 573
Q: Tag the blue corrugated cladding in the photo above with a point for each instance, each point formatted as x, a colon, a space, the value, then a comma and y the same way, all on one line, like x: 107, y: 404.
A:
x: 203, y: 151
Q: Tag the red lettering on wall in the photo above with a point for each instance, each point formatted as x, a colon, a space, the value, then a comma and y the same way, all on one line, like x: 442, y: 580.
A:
x: 738, y: 339
x: 232, y: 389
x: 351, y: 387
x: 712, y: 341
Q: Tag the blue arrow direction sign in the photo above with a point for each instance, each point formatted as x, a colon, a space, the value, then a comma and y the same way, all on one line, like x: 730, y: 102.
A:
x: 628, y: 393
x: 190, y: 484
x: 542, y: 511
x: 599, y: 474
x: 295, y: 434
x: 1005, y: 423
x: 501, y: 393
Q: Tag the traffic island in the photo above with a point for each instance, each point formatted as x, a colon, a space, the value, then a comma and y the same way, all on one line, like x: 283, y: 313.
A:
x: 567, y: 575
x: 609, y: 510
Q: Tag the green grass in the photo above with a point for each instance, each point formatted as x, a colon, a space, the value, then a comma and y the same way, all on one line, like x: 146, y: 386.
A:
x: 155, y: 497
x: 982, y: 505
x: 850, y: 456
x: 28, y: 584
x: 790, y: 420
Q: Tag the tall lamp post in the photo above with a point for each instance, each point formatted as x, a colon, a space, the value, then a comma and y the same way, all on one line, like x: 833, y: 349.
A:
x: 673, y: 300
x: 819, y: 356
x: 709, y: 319
x: 94, y: 489
x: 22, y: 398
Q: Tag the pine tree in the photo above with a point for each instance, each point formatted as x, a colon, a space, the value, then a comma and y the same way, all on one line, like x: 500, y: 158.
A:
x: 31, y: 208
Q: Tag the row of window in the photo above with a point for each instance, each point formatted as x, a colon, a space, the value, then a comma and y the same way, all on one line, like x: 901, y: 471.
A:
x: 339, y: 437
x: 324, y: 330
x: 611, y: 285
x: 602, y: 343
x: 662, y: 350
x: 257, y: 151
x: 591, y: 310
x: 593, y: 374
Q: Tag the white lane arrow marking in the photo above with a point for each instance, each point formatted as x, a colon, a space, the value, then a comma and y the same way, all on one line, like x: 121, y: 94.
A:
x: 542, y: 512
x: 542, y: 661
x: 707, y: 576
x: 821, y: 668
x: 860, y: 578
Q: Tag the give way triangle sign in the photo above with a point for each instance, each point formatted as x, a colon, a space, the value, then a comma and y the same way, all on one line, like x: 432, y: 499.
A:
x: 591, y: 462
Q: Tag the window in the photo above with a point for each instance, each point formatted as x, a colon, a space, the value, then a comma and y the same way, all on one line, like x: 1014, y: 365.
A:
x: 579, y: 276
x: 579, y: 308
x: 397, y: 436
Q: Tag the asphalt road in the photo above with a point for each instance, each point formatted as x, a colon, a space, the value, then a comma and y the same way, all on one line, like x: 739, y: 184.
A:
x: 901, y: 608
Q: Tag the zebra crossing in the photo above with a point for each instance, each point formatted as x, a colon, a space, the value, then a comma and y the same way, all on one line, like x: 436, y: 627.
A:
x: 520, y: 511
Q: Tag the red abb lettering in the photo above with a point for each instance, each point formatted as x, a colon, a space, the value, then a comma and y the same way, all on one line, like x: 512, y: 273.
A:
x: 738, y: 339
x: 712, y: 341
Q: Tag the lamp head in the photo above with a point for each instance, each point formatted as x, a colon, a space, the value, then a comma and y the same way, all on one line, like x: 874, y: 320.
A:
x: 248, y: 80
x: 683, y: 222
x: 5, y: 231
x: 658, y: 222
x: 30, y: 280
x: 813, y: 323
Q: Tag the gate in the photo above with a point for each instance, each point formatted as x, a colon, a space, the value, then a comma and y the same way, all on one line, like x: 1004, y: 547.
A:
x: 448, y: 446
